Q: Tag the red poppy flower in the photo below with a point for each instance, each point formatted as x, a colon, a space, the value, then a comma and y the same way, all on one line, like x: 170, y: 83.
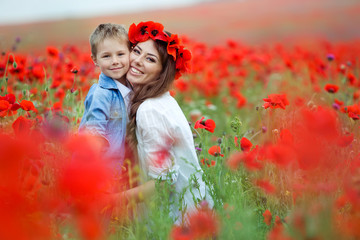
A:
x: 174, y: 44
x: 9, y: 97
x: 52, y: 51
x: 74, y: 70
x: 27, y: 106
x: 276, y: 101
x: 245, y: 144
x: 278, y: 220
x: 286, y: 137
x: 345, y: 140
x: 4, y: 105
x: 208, y: 162
x: 249, y: 159
x: 338, y: 102
x: 215, y: 151
x: 138, y: 33
x: 156, y: 31
x: 181, y: 233
x: 282, y: 155
x: 183, y: 60
x: 22, y: 126
x: 267, y: 217
x: 353, y: 111
x: 331, y: 88
x: 352, y: 79
x: 266, y: 186
x: 8, y: 105
x: 203, y: 224
x: 208, y: 125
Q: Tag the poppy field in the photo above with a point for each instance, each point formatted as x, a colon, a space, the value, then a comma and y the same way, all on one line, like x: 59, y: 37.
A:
x: 276, y: 129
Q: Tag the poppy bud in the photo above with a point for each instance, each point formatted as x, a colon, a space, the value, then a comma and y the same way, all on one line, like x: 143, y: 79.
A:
x: 264, y: 129
x: 74, y: 70
x: 330, y: 57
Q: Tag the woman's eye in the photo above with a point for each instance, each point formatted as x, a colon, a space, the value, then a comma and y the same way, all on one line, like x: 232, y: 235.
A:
x: 151, y: 59
x: 136, y: 51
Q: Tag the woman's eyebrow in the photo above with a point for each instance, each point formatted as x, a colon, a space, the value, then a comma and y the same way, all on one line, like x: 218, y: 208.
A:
x: 148, y: 53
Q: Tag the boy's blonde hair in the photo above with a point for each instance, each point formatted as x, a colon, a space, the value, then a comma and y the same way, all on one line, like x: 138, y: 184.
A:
x: 107, y: 30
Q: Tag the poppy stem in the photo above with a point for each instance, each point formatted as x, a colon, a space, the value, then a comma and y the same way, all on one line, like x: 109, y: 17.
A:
x: 197, y: 133
x: 257, y: 133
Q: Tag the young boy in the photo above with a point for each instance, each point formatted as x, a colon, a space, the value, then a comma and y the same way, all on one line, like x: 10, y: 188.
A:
x: 106, y: 103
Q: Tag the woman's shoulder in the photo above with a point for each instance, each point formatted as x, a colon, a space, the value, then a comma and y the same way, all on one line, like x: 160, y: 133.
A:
x: 158, y: 104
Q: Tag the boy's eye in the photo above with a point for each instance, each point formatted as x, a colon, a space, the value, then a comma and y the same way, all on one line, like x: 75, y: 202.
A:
x: 105, y: 56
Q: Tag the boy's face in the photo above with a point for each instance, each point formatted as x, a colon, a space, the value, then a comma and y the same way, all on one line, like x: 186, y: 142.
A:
x: 113, y: 58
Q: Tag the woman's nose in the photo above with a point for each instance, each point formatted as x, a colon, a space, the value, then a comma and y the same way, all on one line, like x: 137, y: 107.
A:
x: 137, y: 60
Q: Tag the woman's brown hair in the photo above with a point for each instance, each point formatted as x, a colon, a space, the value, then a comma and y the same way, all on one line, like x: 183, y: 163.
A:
x: 153, y: 88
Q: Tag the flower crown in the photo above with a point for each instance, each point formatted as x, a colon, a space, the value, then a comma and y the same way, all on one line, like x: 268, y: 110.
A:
x: 145, y: 30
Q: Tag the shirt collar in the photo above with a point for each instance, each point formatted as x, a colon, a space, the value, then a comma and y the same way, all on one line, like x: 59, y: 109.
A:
x: 124, y: 90
x: 106, y: 82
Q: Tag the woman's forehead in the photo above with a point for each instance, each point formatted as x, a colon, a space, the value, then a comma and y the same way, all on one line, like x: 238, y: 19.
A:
x: 148, y: 47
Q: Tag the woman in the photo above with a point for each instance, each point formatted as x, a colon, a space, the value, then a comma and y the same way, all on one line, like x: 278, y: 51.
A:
x: 157, y: 127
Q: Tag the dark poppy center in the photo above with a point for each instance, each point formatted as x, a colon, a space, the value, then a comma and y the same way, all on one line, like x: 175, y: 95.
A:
x: 143, y: 30
x: 154, y: 32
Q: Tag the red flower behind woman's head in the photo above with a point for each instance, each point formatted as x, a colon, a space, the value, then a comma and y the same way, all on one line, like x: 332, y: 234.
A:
x: 138, y: 33
x: 155, y: 31
x: 174, y: 44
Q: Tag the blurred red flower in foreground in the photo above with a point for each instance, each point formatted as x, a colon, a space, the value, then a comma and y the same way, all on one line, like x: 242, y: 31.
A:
x: 266, y: 186
x: 208, y: 124
x: 267, y: 217
x: 276, y: 101
x: 22, y: 126
x: 203, y: 224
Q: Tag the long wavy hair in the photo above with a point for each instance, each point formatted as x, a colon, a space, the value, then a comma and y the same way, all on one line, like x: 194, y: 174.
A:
x: 154, y: 88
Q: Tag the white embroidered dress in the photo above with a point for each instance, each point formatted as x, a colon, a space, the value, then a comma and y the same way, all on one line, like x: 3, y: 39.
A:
x: 165, y: 144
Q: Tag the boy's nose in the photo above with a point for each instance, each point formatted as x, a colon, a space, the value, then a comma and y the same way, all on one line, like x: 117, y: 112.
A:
x: 115, y: 60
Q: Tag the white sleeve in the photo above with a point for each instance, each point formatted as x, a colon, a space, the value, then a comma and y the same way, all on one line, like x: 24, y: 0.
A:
x: 156, y: 143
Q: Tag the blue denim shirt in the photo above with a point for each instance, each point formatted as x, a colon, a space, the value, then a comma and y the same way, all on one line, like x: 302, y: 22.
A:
x: 105, y: 115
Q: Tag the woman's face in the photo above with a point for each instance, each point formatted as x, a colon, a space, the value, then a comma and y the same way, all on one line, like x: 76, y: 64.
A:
x: 145, y: 63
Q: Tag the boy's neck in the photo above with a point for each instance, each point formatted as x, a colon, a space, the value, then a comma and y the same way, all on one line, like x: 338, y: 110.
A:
x: 122, y: 81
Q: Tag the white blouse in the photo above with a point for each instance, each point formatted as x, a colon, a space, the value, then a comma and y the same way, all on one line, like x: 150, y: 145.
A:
x: 166, y: 150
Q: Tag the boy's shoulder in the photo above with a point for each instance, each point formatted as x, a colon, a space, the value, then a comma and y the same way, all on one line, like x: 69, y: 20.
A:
x: 99, y: 91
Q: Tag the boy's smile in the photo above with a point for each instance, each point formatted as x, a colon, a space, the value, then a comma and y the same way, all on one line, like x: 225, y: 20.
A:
x: 113, y: 58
